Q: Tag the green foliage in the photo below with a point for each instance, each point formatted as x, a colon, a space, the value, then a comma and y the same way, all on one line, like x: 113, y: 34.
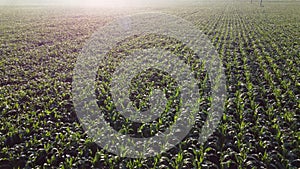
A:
x: 259, y: 48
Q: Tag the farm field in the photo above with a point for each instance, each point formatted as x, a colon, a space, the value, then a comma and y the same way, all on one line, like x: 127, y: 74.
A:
x: 259, y: 49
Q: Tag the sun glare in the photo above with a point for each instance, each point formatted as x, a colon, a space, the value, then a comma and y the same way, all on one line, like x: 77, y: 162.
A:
x: 88, y: 3
x: 104, y: 3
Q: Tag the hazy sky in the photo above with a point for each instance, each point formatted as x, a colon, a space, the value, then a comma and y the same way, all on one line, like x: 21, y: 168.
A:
x: 105, y: 3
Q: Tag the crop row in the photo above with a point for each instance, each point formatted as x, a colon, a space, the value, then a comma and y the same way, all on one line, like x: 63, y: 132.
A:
x: 259, y: 47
